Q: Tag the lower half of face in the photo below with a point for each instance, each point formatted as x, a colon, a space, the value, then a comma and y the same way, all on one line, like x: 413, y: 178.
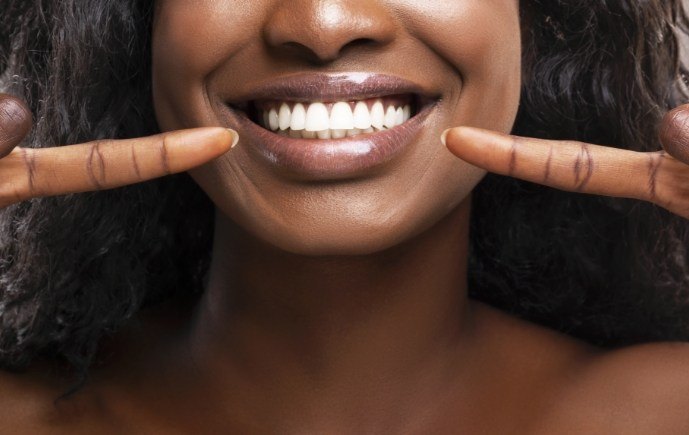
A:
x: 339, y: 106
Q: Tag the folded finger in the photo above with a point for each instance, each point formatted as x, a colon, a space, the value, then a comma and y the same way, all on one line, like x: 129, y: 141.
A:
x: 15, y: 123
x: 674, y: 133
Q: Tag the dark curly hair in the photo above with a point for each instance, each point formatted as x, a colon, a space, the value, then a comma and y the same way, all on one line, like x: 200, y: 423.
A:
x: 74, y: 269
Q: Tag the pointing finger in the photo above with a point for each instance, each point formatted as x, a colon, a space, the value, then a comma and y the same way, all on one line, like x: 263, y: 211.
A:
x: 565, y: 165
x: 26, y: 172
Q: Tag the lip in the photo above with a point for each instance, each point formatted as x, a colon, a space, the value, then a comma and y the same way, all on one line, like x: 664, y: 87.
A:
x: 330, y: 87
x: 331, y: 159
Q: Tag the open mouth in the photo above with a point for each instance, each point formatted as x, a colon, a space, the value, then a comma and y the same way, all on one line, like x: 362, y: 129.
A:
x: 326, y: 127
x: 333, y: 120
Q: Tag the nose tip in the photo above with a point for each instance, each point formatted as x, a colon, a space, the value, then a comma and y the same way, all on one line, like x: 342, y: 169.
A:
x: 322, y: 31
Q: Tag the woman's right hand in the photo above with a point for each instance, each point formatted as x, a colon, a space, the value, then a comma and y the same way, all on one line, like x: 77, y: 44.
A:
x: 103, y: 164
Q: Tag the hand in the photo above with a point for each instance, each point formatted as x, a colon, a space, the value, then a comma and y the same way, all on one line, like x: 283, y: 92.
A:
x: 660, y: 177
x: 104, y: 164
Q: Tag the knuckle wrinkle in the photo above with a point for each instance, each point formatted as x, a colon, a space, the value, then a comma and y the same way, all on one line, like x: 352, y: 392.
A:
x: 95, y: 166
x: 164, y: 156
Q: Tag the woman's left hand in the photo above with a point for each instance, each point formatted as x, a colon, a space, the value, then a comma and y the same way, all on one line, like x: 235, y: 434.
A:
x: 660, y: 177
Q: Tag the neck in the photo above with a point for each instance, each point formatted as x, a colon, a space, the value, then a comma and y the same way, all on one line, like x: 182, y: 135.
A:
x: 278, y: 317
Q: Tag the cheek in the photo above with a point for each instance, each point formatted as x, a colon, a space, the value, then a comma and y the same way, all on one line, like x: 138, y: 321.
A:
x: 481, y: 42
x: 192, y: 38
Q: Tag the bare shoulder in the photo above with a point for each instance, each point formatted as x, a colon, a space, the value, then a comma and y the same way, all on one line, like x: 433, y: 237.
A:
x: 653, y: 362
x: 656, y: 373
x: 639, y: 389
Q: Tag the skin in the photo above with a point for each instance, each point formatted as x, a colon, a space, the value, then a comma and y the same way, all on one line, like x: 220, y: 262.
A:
x: 342, y: 307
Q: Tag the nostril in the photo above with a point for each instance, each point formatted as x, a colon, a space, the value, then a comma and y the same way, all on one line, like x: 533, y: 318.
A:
x: 321, y: 31
x: 292, y: 49
x: 361, y: 42
x: 296, y: 49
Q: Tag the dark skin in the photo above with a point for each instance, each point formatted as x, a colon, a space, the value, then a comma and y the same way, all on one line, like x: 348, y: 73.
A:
x: 342, y: 324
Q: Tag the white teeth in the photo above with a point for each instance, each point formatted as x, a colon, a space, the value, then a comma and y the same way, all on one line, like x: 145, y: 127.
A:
x: 273, y: 121
x: 341, y: 117
x: 299, y: 117
x: 377, y: 115
x: 310, y: 121
x: 362, y: 117
x: 399, y: 116
x: 339, y: 133
x: 390, y: 117
x: 317, y: 118
x: 284, y: 117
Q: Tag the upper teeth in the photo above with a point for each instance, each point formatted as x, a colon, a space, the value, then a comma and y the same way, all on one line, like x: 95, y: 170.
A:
x: 335, y: 120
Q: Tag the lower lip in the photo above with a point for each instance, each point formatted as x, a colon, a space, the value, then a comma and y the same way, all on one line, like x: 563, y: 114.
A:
x: 322, y: 159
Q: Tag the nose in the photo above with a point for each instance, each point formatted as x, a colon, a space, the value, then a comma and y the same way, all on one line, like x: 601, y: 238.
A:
x: 322, y: 30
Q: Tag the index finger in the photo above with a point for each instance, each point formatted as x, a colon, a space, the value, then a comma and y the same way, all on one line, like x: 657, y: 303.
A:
x: 566, y: 165
x: 28, y: 172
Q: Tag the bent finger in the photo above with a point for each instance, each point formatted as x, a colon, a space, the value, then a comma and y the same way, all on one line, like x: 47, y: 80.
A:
x: 15, y: 123
x: 674, y: 133
x: 566, y: 165
x: 106, y: 164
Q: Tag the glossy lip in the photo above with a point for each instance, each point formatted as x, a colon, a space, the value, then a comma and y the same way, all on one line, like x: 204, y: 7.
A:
x: 332, y: 159
x: 303, y: 88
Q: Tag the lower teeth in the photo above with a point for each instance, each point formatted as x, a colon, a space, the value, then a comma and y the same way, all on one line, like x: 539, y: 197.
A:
x: 326, y: 134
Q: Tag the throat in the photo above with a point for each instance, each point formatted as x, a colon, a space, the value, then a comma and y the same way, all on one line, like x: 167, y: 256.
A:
x: 269, y: 315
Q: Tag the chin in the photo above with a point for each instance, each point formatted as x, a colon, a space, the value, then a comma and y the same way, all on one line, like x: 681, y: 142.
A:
x: 323, y: 229
x: 339, y: 239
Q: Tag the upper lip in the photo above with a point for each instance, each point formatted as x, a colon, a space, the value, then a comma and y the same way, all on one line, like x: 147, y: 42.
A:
x: 330, y: 88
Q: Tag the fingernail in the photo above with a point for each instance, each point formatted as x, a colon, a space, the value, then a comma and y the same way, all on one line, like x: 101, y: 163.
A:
x: 235, y: 136
x: 443, y: 137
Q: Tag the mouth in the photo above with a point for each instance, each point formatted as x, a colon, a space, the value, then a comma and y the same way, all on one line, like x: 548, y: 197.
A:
x: 321, y: 127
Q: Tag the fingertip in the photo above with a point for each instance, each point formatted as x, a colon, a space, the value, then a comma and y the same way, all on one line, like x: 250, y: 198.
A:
x: 443, y: 137
x: 228, y: 139
x: 235, y: 137
x: 214, y: 140
x: 464, y: 135
x: 450, y: 135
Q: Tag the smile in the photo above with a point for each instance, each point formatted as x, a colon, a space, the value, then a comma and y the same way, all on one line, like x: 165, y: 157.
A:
x: 321, y: 127
x: 336, y: 120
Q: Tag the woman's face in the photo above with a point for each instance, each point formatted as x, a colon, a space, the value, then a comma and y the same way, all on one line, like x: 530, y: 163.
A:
x: 425, y: 65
